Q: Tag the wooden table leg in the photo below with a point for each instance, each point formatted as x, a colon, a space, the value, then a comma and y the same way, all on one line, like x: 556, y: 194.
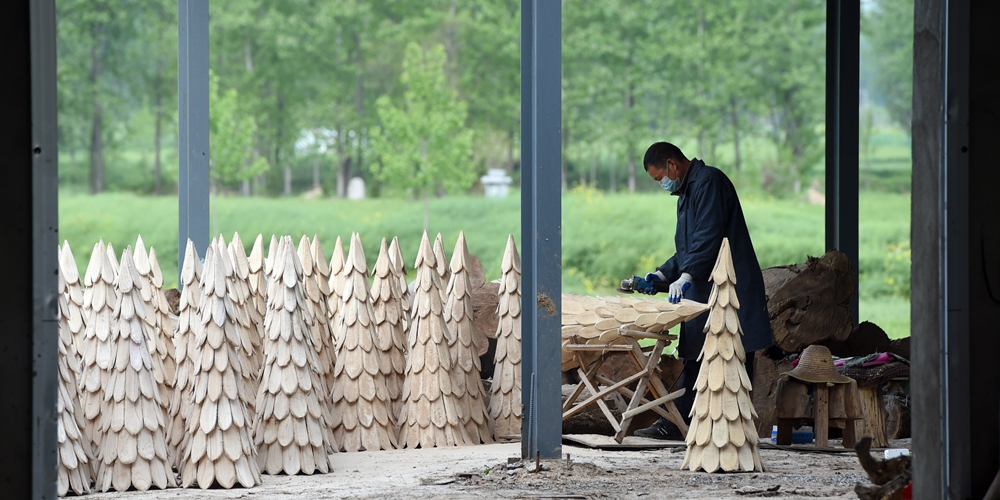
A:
x: 821, y: 415
x: 640, y: 390
x: 784, y: 432
x: 850, y: 439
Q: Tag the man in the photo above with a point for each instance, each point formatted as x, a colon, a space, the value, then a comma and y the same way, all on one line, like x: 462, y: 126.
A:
x: 708, y: 210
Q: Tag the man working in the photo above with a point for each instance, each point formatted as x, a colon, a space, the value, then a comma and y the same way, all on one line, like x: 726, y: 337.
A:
x: 708, y: 210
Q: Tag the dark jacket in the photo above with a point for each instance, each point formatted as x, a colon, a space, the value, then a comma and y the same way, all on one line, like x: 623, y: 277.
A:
x: 708, y: 210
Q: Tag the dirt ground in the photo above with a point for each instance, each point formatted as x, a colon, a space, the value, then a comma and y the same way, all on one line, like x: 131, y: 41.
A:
x: 496, y: 471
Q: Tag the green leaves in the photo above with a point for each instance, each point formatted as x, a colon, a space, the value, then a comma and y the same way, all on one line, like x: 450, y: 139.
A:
x: 232, y: 132
x: 422, y: 142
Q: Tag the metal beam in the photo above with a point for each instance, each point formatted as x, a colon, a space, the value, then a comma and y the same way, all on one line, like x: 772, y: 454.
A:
x: 843, y: 35
x: 192, y: 123
x: 541, y: 227
x: 28, y: 200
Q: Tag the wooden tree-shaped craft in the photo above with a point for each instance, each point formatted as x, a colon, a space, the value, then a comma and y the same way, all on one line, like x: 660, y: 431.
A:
x: 396, y: 255
x: 429, y: 416
x: 317, y: 301
x: 258, y: 289
x: 321, y: 271
x: 361, y: 403
x: 389, y: 333
x: 218, y: 447
x: 441, y: 263
x: 186, y: 351
x: 159, y: 352
x: 133, y: 451
x: 234, y: 320
x: 99, y: 300
x: 245, y: 307
x: 166, y: 324
x: 722, y: 434
x: 336, y: 284
x: 505, y: 402
x: 466, y: 381
x: 290, y: 429
x: 76, y: 455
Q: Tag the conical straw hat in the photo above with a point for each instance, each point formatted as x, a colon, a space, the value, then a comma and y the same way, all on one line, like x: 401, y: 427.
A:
x: 815, y: 366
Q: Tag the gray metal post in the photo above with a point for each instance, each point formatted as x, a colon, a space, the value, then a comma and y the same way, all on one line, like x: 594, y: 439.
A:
x: 45, y: 240
x: 541, y: 232
x: 192, y: 122
x: 29, y: 202
x: 843, y: 35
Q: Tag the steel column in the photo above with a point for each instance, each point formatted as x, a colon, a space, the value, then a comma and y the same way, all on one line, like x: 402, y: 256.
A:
x: 29, y: 202
x: 541, y: 227
x: 192, y: 122
x: 843, y: 35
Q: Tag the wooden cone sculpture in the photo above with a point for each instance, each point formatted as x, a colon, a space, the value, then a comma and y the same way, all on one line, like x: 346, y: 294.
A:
x: 361, y: 403
x: 246, y: 308
x: 597, y: 319
x: 336, y: 284
x: 429, y: 416
x: 404, y: 296
x: 186, y: 351
x: 113, y: 258
x: 76, y: 455
x: 218, y: 447
x: 722, y: 434
x: 505, y: 402
x: 466, y: 380
x: 99, y: 300
x: 258, y: 290
x: 74, y: 287
x: 272, y: 251
x: 163, y: 372
x: 389, y: 333
x: 234, y: 319
x: 166, y: 326
x: 441, y: 265
x: 290, y: 429
x: 317, y: 302
x: 133, y: 451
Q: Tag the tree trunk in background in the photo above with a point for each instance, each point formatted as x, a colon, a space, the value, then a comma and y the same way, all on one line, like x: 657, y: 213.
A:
x: 96, y: 151
x: 612, y: 178
x: 245, y: 187
x: 510, y: 151
x: 316, y: 173
x: 629, y: 104
x: 736, y: 131
x: 97, y: 121
x: 593, y: 170
x: 288, y: 181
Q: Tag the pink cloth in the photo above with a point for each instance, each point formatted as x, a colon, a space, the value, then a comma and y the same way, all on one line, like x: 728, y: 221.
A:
x: 882, y: 359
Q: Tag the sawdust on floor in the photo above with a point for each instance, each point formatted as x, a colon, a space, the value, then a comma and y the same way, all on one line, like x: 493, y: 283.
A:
x: 496, y: 471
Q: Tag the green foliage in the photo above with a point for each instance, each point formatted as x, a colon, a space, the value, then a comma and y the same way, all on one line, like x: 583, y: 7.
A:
x: 423, y: 143
x: 232, y: 135
x: 888, y: 28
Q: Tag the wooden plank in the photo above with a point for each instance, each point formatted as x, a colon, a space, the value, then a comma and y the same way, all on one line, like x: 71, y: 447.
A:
x: 639, y: 334
x: 597, y: 347
x: 821, y: 420
x: 656, y: 402
x: 629, y: 443
x: 641, y: 388
x: 628, y: 393
x: 872, y: 421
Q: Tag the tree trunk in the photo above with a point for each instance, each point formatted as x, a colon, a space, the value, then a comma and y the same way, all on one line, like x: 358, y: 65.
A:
x: 629, y: 104
x: 593, y: 170
x: 245, y: 187
x: 157, y: 133
x: 288, y: 181
x: 510, y: 151
x: 612, y: 178
x: 736, y: 130
x: 97, y: 122
x: 316, y: 173
x: 96, y: 151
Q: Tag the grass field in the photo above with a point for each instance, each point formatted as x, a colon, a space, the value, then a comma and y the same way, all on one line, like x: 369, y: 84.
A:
x: 606, y: 237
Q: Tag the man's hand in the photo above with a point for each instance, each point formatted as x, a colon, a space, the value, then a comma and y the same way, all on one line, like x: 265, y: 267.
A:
x: 678, y: 288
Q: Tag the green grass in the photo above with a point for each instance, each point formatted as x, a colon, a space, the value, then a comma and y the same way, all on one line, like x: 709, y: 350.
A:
x: 606, y: 237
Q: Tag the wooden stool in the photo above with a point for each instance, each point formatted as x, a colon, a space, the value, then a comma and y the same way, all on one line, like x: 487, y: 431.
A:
x: 645, y: 360
x: 824, y: 405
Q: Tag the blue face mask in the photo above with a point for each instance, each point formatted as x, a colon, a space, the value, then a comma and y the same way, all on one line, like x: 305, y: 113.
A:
x: 668, y: 184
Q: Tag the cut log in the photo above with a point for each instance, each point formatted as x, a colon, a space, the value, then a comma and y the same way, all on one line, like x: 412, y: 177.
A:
x: 484, y: 308
x: 807, y: 303
x: 896, y: 403
x: 872, y: 423
x: 765, y: 389
x: 866, y: 339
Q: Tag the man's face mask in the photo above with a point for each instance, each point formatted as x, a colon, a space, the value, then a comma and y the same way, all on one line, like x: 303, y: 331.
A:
x: 668, y: 184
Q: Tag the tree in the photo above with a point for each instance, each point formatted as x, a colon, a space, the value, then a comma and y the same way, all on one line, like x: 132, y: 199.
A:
x: 232, y: 132
x: 888, y: 28
x: 423, y: 143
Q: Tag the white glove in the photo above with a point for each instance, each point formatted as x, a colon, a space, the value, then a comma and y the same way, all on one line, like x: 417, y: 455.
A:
x: 678, y: 288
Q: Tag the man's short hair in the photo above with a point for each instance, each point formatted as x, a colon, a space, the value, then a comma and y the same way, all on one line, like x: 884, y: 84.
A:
x: 658, y: 154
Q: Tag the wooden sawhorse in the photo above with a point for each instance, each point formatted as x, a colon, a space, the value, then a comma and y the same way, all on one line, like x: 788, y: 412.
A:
x: 645, y: 361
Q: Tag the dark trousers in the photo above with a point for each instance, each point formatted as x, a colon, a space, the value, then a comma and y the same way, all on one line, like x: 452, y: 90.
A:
x: 688, y: 377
